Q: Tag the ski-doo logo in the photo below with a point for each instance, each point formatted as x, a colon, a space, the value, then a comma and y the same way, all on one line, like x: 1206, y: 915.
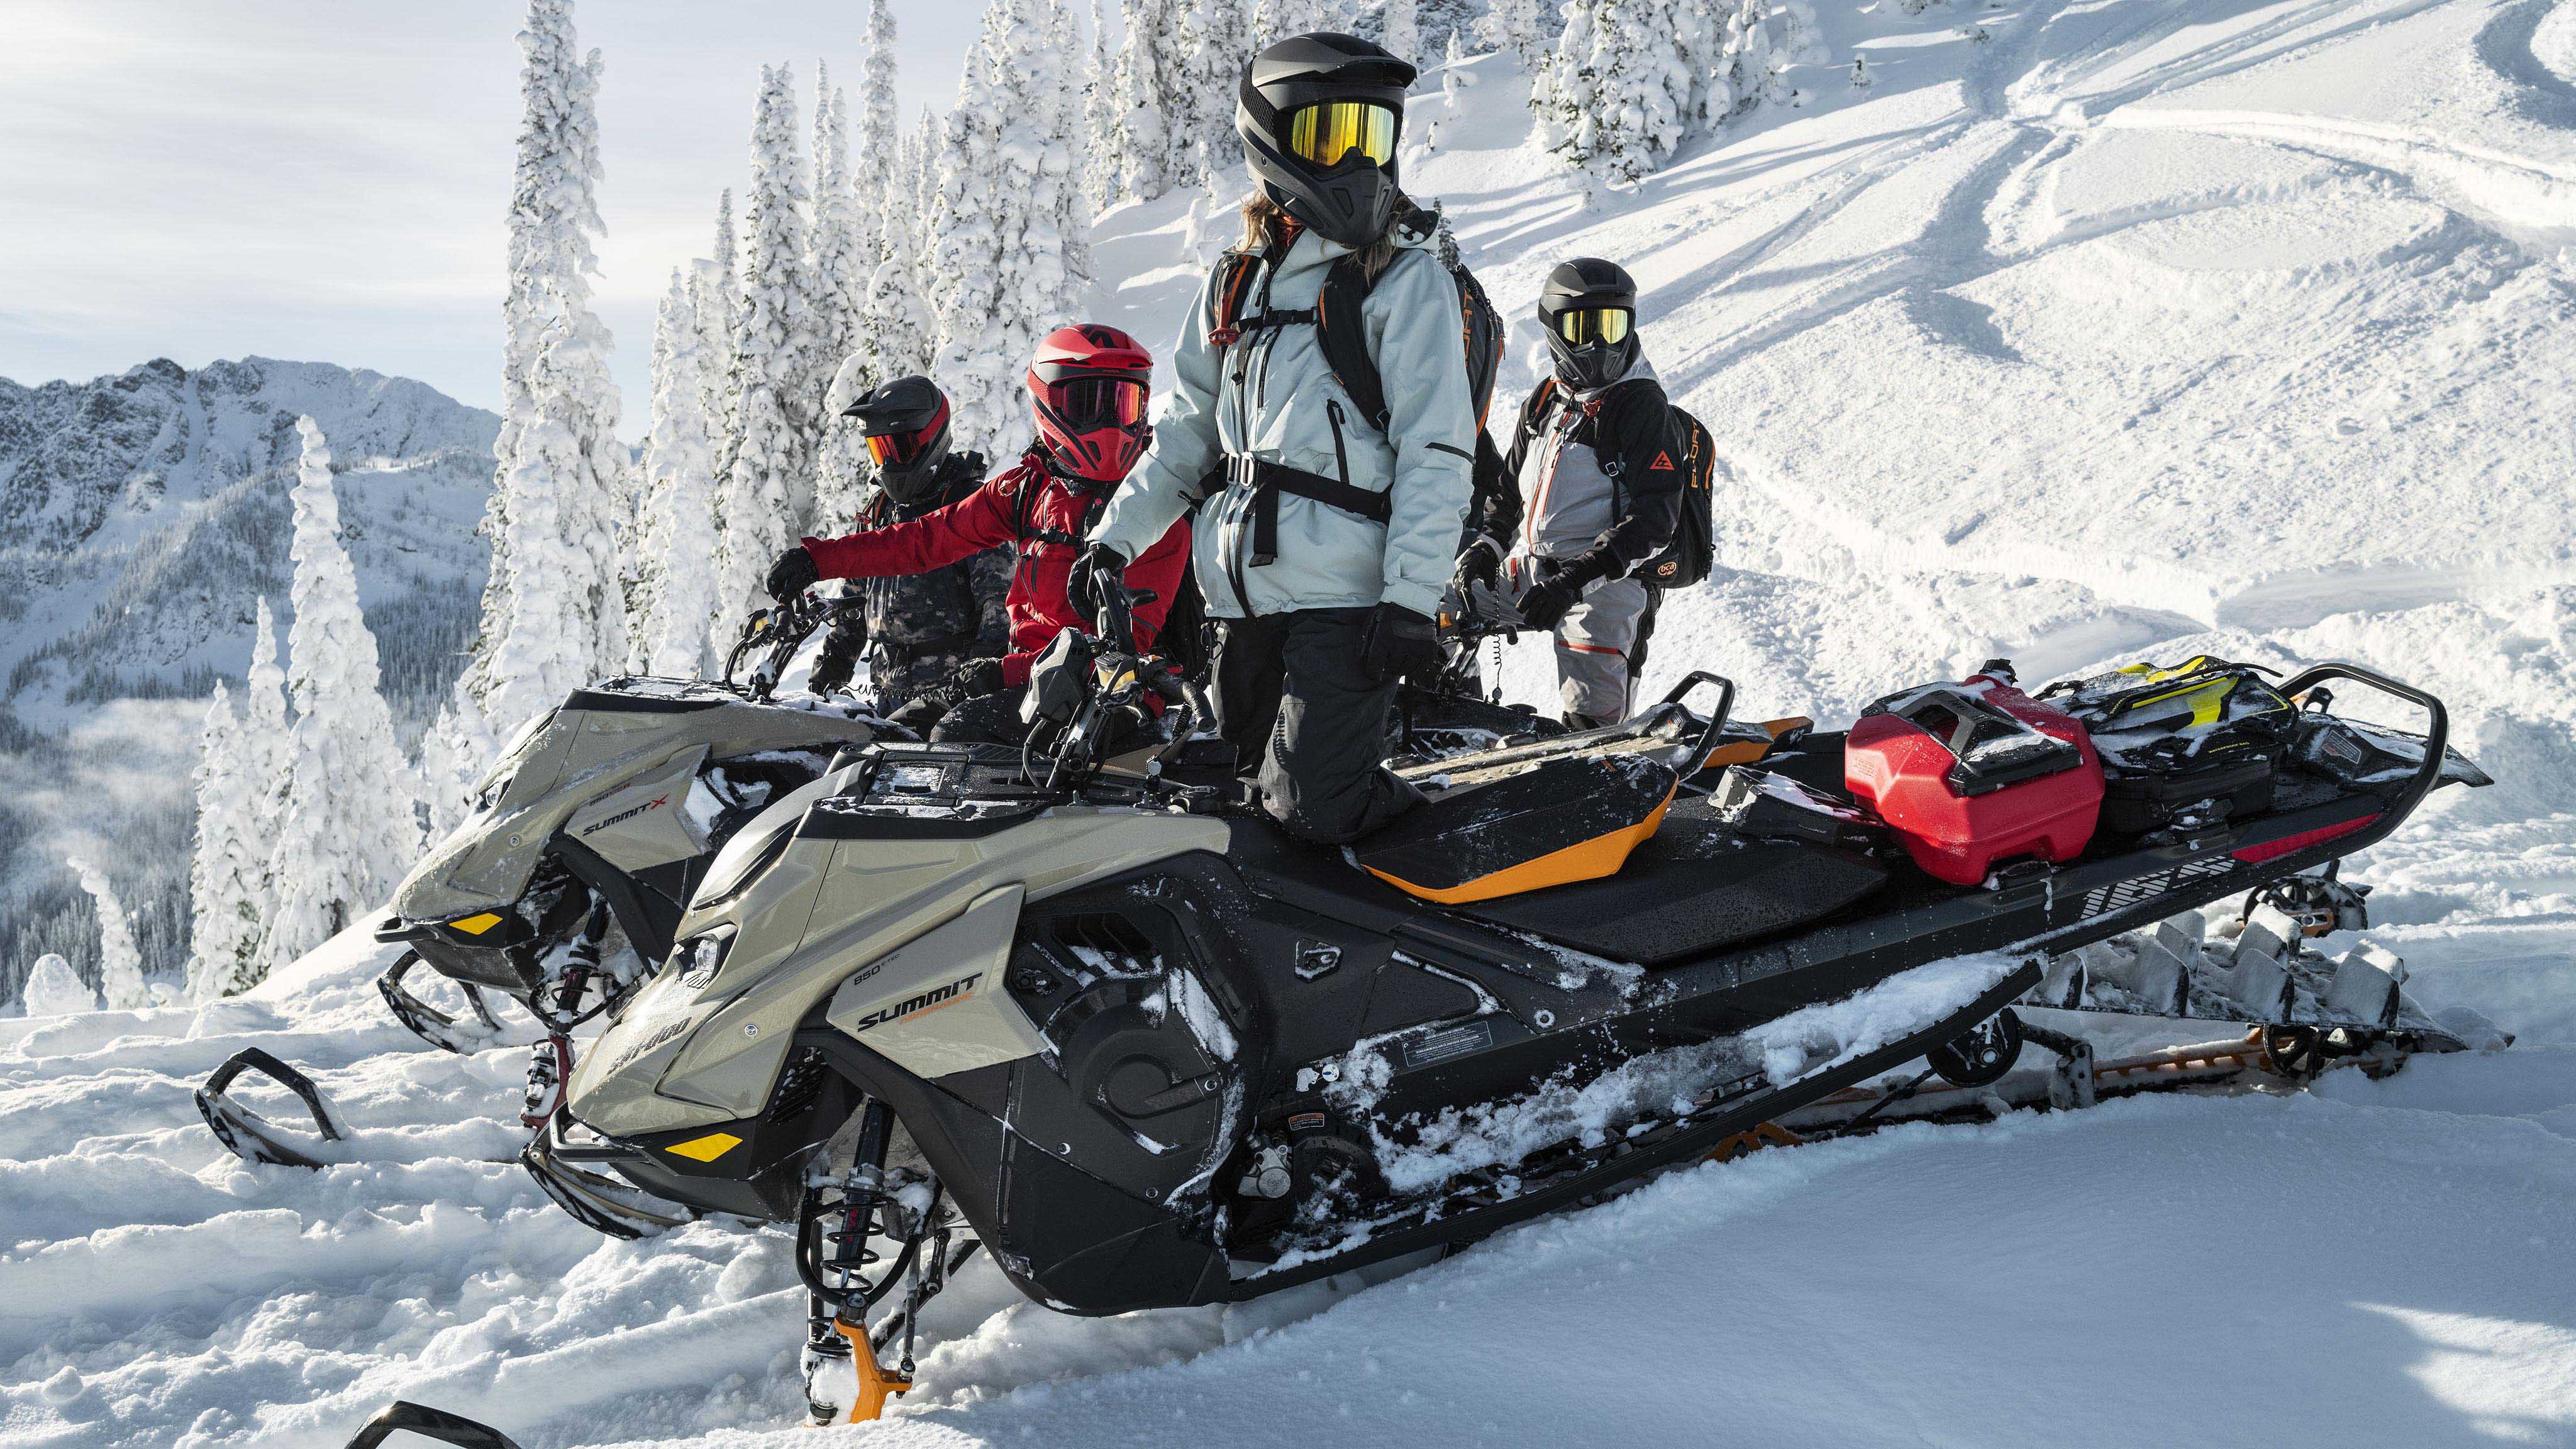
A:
x: 931, y: 1000
x: 655, y: 803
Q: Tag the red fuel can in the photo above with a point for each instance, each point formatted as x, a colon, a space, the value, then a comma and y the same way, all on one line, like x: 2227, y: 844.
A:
x: 1975, y: 773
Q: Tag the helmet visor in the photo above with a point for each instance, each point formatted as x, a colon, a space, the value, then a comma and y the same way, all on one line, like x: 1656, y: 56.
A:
x: 1089, y: 404
x: 1586, y: 325
x: 1326, y: 133
x: 893, y: 450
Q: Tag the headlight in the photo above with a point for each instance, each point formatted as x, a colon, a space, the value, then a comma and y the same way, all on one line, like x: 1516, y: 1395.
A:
x: 700, y: 957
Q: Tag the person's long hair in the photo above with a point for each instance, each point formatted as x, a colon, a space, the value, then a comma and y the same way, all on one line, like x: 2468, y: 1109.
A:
x: 1262, y: 217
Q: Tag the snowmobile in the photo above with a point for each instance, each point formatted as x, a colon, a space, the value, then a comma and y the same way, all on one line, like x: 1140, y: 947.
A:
x: 1098, y: 1018
x: 586, y: 841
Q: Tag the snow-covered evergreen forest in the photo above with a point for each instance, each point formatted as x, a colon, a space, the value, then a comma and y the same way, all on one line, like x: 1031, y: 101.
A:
x: 2074, y: 332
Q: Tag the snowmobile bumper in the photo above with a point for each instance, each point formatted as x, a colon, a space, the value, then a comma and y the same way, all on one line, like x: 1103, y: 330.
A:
x: 573, y: 1164
x: 459, y: 1033
x: 405, y: 1417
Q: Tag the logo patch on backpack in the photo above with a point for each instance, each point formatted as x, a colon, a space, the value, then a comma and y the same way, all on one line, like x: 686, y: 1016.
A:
x: 1663, y: 463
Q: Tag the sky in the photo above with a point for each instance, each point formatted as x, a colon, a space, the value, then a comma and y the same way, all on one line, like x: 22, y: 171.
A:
x: 202, y: 179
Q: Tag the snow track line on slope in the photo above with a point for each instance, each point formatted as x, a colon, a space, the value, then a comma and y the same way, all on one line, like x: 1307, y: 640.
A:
x: 2504, y: 44
x: 2525, y: 201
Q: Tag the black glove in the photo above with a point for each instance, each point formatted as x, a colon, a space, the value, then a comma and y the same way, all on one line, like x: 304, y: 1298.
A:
x: 977, y: 676
x: 1481, y: 561
x: 1547, y: 601
x: 1398, y: 641
x: 793, y: 574
x: 1095, y: 569
x: 840, y: 654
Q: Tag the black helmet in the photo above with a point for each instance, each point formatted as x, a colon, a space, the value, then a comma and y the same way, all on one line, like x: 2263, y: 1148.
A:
x: 906, y: 425
x: 1319, y: 115
x: 1589, y: 308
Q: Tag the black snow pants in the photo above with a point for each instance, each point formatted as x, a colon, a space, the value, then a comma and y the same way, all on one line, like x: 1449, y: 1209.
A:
x: 1307, y: 723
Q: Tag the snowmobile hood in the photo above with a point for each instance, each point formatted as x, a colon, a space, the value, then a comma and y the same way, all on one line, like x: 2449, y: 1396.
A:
x: 601, y: 741
x: 898, y: 877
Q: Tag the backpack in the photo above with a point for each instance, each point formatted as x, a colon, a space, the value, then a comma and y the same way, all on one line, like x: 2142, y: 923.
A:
x: 1692, y: 551
x: 1344, y: 339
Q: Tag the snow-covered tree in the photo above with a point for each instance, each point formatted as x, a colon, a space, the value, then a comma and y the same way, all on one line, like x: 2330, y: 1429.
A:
x: 679, y: 603
x: 842, y: 474
x: 1151, y: 106
x: 264, y: 726
x: 1100, y: 116
x: 1437, y: 20
x: 1756, y: 43
x: 54, y: 989
x: 1070, y: 209
x: 878, y: 138
x: 1618, y: 93
x: 1519, y: 27
x: 1453, y: 68
x: 554, y: 213
x: 1008, y: 226
x: 766, y: 491
x: 714, y: 297
x: 345, y: 829
x: 1398, y: 32
x: 1276, y: 20
x: 844, y: 247
x: 228, y: 873
x: 120, y: 961
x: 1215, y: 40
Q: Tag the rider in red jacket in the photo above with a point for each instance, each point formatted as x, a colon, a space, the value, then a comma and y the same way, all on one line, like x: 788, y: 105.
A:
x: 1088, y: 386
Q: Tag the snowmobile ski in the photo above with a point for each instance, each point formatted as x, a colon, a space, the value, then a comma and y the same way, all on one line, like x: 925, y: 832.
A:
x: 248, y: 1135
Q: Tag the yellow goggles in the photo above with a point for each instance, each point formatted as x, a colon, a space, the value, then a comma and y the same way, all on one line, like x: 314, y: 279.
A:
x: 1586, y: 325
x: 1326, y: 133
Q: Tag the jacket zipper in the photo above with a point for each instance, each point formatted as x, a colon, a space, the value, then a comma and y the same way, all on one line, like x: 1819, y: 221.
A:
x: 1341, y: 459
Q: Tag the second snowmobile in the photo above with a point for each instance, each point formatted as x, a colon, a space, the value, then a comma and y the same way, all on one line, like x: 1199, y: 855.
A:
x: 1105, y: 1021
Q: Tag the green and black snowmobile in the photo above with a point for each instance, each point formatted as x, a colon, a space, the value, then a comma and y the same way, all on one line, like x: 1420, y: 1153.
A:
x: 1100, y: 1018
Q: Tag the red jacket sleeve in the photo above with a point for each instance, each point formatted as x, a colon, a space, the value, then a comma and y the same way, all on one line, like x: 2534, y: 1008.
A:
x: 959, y: 531
x: 1160, y: 570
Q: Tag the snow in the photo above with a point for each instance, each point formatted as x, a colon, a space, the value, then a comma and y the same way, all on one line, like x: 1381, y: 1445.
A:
x: 2145, y: 328
x: 54, y: 990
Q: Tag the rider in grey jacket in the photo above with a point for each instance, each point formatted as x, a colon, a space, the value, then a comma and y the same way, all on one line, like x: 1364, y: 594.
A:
x: 1587, y: 493
x: 1323, y: 541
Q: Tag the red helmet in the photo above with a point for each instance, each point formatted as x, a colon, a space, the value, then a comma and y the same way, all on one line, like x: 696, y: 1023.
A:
x: 1088, y: 385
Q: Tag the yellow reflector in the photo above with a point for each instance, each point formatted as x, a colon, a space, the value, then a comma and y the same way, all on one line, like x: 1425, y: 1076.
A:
x: 1326, y: 133
x: 476, y: 925
x: 1587, y: 325
x: 707, y: 1148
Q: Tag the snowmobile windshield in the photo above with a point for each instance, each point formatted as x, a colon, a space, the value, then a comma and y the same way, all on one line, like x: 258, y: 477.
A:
x: 1326, y: 133
x: 1585, y: 326
x: 487, y: 791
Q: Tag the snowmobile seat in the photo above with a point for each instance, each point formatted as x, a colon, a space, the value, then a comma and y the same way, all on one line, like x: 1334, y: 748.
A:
x: 1694, y: 887
x: 1524, y: 825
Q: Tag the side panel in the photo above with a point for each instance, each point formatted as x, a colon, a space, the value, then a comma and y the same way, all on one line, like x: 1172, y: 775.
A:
x: 644, y: 823
x: 935, y: 1005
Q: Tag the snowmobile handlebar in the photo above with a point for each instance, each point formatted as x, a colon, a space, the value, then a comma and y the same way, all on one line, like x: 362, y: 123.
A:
x: 781, y: 629
x: 1717, y: 718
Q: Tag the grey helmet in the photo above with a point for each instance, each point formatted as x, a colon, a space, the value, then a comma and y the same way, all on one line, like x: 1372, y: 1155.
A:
x: 1329, y: 167
x: 1589, y: 308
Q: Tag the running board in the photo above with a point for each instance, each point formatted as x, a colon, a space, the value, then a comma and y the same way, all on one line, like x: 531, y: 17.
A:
x: 247, y: 1134
x: 1694, y: 1136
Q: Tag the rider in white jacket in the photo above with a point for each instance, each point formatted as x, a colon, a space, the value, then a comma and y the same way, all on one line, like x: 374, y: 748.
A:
x: 1323, y: 541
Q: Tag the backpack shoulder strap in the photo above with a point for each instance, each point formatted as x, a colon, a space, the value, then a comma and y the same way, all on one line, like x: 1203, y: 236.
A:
x: 1344, y: 338
x: 1225, y: 299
